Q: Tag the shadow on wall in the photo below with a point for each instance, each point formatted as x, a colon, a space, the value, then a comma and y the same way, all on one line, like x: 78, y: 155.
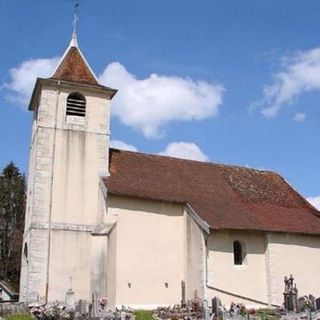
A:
x: 146, y: 205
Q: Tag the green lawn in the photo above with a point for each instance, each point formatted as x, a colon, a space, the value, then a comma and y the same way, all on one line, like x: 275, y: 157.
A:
x: 143, y: 315
x: 267, y: 314
x: 18, y: 317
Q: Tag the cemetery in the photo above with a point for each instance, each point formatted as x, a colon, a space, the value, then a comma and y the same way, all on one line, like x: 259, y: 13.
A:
x: 293, y: 308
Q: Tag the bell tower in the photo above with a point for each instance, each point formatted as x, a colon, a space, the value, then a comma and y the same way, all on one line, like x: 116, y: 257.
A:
x: 68, y: 154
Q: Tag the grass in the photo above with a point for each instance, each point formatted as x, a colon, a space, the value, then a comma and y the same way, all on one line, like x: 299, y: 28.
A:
x: 142, y: 315
x: 18, y: 317
x: 267, y: 314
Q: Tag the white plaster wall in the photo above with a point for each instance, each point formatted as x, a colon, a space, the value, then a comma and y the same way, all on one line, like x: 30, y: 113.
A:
x: 247, y: 280
x: 76, y: 179
x: 98, y: 278
x: 298, y: 255
x: 81, y: 155
x: 70, y: 257
x: 194, y: 259
x: 102, y: 205
x: 99, y: 249
x: 23, y: 279
x: 150, y: 251
x: 112, y: 267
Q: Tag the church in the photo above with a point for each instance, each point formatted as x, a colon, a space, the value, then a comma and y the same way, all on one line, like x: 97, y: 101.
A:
x: 145, y: 230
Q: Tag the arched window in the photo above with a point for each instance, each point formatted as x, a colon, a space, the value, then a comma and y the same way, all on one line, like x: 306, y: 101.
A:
x: 76, y: 105
x: 237, y: 253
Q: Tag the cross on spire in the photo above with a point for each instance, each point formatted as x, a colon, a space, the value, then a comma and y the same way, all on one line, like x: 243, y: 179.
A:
x: 74, y: 23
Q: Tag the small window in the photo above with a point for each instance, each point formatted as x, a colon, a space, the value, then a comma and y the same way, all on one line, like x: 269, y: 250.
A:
x: 25, y: 250
x: 76, y: 105
x: 237, y: 253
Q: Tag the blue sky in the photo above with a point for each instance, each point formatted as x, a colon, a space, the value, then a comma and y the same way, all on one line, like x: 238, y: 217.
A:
x: 234, y: 82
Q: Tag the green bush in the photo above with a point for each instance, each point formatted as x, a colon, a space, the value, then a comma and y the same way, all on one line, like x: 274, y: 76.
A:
x: 143, y: 315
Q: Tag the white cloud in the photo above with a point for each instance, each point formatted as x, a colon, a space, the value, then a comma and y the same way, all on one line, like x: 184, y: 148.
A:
x: 24, y: 76
x: 149, y: 104
x: 300, y: 73
x: 299, y: 117
x: 118, y: 144
x: 146, y: 105
x: 315, y: 201
x: 184, y: 150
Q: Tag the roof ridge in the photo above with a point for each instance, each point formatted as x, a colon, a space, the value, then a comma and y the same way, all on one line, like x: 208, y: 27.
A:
x: 313, y: 210
x: 206, y: 163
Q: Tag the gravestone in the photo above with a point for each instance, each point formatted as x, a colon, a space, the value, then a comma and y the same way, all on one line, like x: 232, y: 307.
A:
x: 301, y: 304
x: 183, y: 293
x: 82, y: 307
x: 215, y: 303
x: 78, y: 316
x: 312, y: 300
x: 70, y: 299
x: 317, y: 304
x: 290, y: 294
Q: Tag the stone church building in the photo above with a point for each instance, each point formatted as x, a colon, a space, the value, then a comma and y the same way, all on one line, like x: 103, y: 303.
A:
x: 139, y: 228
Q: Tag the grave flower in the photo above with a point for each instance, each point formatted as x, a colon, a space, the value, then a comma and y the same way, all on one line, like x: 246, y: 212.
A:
x: 252, y: 311
x: 103, y: 302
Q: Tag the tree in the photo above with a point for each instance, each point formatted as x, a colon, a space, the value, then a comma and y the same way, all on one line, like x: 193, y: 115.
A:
x: 12, y: 209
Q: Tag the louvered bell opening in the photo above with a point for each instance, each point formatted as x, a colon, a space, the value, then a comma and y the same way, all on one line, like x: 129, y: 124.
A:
x: 76, y: 105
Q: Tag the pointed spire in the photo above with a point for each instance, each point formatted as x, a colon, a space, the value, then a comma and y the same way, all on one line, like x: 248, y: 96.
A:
x: 74, y: 41
x: 73, y: 65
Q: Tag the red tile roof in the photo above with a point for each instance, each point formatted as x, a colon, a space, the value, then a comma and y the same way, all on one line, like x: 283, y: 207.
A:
x: 226, y: 197
x: 74, y: 68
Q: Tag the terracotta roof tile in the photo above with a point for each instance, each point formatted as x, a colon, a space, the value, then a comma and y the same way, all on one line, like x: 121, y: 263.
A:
x: 226, y: 197
x: 74, y: 68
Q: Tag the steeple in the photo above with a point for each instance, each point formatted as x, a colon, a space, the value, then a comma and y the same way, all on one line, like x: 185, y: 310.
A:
x: 69, y: 153
x: 73, y: 65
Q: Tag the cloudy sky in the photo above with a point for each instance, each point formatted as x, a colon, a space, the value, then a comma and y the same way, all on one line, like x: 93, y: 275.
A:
x: 234, y: 82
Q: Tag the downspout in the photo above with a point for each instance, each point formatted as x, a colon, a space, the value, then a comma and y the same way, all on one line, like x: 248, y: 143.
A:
x: 51, y: 191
